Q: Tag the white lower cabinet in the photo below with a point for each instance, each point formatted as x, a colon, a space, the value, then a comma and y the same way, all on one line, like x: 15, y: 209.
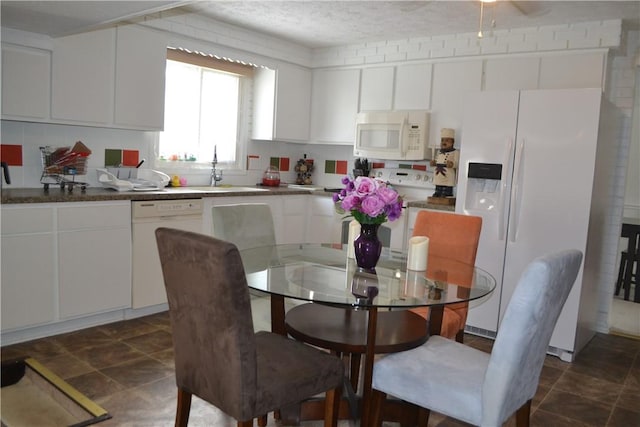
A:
x: 94, y: 258
x: 324, y: 223
x: 289, y: 214
x: 28, y: 266
x: 63, y: 261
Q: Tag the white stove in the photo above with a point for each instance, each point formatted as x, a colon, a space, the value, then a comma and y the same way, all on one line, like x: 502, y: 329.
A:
x: 412, y: 184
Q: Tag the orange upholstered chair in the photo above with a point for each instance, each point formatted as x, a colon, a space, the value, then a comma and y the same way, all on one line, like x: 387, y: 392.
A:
x: 455, y: 237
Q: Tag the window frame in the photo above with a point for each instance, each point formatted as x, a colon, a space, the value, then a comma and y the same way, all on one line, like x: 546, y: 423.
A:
x: 246, y: 72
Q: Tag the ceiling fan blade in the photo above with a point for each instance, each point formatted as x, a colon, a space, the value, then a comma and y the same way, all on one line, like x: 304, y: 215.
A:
x: 530, y: 8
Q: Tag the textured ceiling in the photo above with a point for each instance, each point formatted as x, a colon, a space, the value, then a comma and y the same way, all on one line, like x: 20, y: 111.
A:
x: 327, y: 23
x: 323, y: 23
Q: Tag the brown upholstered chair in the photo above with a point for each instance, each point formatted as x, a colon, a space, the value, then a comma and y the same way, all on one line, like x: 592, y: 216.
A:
x: 218, y: 357
x: 451, y: 236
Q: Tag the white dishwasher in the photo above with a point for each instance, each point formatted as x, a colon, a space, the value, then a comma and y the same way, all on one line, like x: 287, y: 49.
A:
x: 147, y: 286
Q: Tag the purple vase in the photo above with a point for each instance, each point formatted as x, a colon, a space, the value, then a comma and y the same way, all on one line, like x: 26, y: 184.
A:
x: 367, y: 247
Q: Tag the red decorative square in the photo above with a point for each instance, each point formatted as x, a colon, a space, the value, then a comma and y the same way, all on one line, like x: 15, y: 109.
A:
x: 419, y: 167
x: 341, y: 167
x: 284, y: 164
x: 130, y: 157
x: 378, y: 165
x: 12, y: 154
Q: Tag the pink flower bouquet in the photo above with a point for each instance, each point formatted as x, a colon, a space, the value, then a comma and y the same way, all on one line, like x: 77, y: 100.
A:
x: 368, y: 200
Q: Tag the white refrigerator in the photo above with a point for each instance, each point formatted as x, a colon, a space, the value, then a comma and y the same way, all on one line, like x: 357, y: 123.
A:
x: 528, y: 167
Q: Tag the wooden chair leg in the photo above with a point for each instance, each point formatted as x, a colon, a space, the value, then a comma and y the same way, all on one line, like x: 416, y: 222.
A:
x: 332, y: 406
x: 354, y: 370
x: 377, y: 402
x: 522, y: 415
x: 423, y: 417
x: 460, y: 336
x: 262, y: 421
x: 184, y: 406
x: 248, y: 423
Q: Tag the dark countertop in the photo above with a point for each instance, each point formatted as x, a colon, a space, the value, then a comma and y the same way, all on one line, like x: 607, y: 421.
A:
x: 56, y: 195
x: 427, y: 205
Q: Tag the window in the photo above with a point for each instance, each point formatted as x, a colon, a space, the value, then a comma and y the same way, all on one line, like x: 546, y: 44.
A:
x: 205, y: 111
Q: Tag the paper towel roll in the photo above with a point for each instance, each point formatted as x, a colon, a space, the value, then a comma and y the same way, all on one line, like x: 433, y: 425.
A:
x: 418, y: 253
x: 354, y: 231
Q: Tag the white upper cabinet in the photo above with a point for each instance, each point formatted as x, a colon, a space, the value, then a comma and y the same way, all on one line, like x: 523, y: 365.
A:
x: 26, y: 82
x: 334, y: 105
x: 405, y: 87
x: 110, y: 78
x: 141, y: 61
x: 452, y: 81
x: 83, y: 77
x: 413, y: 87
x: 376, y: 92
x: 281, y: 103
x: 511, y: 73
x: 572, y: 71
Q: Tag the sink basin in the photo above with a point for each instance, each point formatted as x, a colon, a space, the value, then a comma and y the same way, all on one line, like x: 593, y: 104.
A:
x: 232, y: 189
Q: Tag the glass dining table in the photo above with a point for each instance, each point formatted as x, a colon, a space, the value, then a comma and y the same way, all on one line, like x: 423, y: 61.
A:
x: 323, y: 274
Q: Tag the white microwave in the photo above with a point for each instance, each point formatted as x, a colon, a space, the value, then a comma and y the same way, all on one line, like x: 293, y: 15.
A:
x: 394, y: 135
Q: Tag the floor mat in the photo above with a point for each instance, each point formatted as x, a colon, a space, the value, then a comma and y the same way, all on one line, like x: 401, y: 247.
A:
x: 32, y: 395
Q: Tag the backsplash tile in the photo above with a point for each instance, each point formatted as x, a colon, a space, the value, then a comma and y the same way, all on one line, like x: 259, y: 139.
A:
x: 282, y: 163
x: 112, y: 157
x: 130, y: 157
x: 12, y: 154
x: 329, y: 166
x: 339, y: 167
x: 117, y: 157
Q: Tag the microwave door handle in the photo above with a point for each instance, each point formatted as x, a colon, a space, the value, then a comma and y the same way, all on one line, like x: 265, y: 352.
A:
x: 403, y: 149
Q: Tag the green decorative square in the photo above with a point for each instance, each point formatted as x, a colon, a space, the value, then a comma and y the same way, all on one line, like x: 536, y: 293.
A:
x: 329, y: 166
x: 112, y: 157
x: 274, y: 161
x: 405, y: 166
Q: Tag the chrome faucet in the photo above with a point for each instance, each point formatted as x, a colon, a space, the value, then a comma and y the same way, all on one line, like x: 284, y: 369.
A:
x: 216, y: 176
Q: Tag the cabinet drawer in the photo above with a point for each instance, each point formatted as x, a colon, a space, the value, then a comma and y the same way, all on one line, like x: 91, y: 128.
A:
x: 97, y: 215
x: 27, y: 220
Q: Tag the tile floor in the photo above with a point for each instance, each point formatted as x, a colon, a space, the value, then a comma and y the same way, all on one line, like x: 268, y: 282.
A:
x: 127, y: 368
x: 624, y: 317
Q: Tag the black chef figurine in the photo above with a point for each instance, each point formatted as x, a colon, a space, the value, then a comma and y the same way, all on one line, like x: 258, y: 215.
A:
x: 446, y: 163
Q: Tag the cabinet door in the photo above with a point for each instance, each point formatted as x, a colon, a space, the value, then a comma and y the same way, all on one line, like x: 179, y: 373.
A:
x: 28, y: 267
x: 325, y: 224
x: 511, y: 73
x: 26, y: 82
x: 293, y: 94
x: 376, y: 91
x: 413, y: 87
x: 452, y: 81
x: 94, y: 258
x: 334, y: 106
x: 294, y: 219
x: 141, y: 57
x: 83, y: 77
x: 281, y: 103
x: 572, y: 71
x: 264, y: 92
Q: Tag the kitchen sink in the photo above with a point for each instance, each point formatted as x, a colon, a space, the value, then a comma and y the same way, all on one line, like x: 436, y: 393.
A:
x: 222, y: 189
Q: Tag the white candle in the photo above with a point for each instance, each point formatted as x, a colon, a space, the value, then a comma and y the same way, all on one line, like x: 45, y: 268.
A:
x: 354, y: 231
x: 418, y: 253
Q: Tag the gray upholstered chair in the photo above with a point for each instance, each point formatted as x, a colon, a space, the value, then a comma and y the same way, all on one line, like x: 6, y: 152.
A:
x: 218, y: 357
x: 247, y: 225
x: 476, y: 387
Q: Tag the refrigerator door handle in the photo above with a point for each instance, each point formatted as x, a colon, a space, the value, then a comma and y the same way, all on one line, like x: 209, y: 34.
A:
x: 508, y: 159
x: 516, y: 191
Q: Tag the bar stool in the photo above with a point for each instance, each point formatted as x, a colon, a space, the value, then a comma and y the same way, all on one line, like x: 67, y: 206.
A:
x: 629, y: 258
